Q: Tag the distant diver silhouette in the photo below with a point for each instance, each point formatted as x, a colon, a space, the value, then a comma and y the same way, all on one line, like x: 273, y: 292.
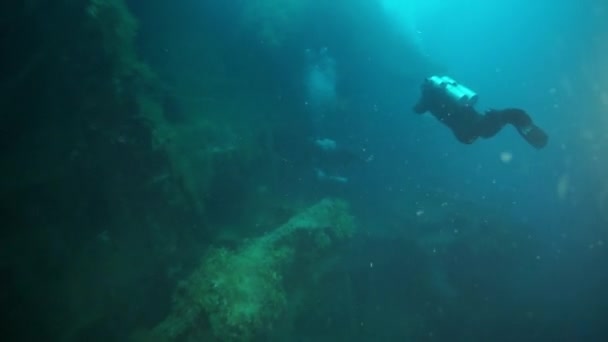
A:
x: 452, y: 104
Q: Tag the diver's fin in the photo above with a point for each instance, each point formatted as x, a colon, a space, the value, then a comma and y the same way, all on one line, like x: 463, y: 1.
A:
x: 534, y: 135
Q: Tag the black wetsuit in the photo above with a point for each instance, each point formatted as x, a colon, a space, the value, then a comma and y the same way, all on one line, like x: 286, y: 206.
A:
x: 468, y: 125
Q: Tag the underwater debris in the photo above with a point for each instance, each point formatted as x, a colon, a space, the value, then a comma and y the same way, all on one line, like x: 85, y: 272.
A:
x: 241, y: 293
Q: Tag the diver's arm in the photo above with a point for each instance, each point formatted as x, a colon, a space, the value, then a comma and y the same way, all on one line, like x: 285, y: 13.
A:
x: 420, y: 107
x: 423, y: 104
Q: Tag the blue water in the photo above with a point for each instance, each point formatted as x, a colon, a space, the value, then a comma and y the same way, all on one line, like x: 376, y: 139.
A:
x: 517, y: 53
x: 513, y: 53
x: 546, y: 57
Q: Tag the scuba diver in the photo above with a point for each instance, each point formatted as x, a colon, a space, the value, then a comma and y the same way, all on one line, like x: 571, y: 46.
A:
x: 452, y: 104
x: 327, y: 155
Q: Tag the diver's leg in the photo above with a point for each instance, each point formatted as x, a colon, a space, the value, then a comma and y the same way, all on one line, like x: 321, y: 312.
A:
x: 494, y: 120
x: 466, y: 129
x: 490, y: 124
x: 465, y: 136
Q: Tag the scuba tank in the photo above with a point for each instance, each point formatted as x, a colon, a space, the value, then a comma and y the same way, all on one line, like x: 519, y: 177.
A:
x: 456, y: 91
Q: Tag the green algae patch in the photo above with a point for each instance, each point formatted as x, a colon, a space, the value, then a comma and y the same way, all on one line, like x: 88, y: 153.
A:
x: 241, y: 293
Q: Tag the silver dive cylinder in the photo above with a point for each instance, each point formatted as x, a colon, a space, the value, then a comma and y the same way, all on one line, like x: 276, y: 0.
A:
x: 456, y: 91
